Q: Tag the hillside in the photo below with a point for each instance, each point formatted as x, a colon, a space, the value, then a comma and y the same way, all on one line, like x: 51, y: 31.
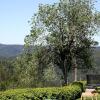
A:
x: 10, y: 50
x: 97, y: 57
x: 97, y: 52
x: 14, y: 50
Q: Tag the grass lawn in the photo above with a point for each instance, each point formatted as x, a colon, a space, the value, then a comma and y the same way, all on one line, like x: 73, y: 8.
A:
x: 91, y: 99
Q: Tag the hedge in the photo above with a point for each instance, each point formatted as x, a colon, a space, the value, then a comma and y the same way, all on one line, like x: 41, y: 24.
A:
x: 70, y: 92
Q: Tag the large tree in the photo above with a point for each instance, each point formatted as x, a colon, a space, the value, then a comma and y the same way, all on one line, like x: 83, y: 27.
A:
x: 68, y: 27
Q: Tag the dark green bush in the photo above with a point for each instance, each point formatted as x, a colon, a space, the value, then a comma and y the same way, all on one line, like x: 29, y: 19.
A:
x: 70, y: 92
x: 3, y: 86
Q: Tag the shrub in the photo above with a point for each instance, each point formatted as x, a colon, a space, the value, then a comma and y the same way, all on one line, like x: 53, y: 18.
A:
x: 3, y: 86
x: 70, y: 92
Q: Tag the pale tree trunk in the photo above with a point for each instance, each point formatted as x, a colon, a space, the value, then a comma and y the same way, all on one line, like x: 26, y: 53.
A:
x: 75, y: 69
x: 80, y: 75
x: 75, y: 79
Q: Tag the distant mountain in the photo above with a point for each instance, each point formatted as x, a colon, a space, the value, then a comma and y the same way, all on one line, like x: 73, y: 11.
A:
x: 97, y: 57
x: 14, y: 50
x: 10, y: 50
x: 97, y: 52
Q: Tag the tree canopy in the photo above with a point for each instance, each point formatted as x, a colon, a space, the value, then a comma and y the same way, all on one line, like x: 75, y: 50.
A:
x: 67, y: 27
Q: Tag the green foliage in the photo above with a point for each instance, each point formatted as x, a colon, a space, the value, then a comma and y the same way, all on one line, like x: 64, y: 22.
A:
x: 52, y: 76
x: 6, y: 73
x: 70, y: 92
x: 60, y: 34
x: 33, y: 69
x: 67, y: 28
x: 3, y: 86
x: 25, y: 70
x: 81, y: 84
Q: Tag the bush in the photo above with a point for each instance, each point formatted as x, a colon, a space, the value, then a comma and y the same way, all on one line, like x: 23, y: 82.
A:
x: 70, y: 92
x: 3, y: 86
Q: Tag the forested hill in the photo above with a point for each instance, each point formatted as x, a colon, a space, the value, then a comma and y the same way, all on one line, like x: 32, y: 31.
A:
x: 14, y: 50
x: 97, y: 57
x: 10, y: 50
x: 97, y: 52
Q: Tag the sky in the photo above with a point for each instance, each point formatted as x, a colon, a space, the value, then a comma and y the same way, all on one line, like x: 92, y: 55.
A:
x: 14, y: 17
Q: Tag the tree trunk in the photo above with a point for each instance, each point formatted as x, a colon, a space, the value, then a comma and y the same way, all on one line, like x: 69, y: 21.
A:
x: 65, y: 73
x: 65, y: 80
x: 75, y: 70
x: 75, y: 79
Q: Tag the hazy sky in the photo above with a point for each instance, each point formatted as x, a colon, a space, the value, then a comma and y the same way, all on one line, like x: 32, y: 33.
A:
x: 14, y: 16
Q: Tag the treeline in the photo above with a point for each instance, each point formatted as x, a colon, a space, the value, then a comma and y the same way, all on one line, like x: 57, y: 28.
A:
x: 6, y: 73
x: 33, y: 69
x: 28, y: 70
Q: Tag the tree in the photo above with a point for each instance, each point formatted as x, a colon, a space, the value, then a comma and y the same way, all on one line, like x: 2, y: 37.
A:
x: 6, y: 73
x: 68, y: 27
x: 25, y: 70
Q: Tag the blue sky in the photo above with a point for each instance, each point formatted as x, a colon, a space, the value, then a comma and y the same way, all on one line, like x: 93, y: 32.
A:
x: 14, y: 16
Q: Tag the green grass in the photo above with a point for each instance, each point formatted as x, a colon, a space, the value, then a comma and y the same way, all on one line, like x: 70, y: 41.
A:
x: 90, y: 98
